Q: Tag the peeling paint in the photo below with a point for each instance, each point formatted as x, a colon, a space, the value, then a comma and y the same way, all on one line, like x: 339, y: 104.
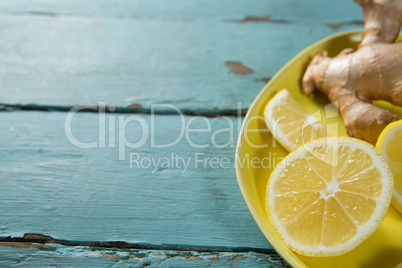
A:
x: 261, y: 19
x: 21, y: 245
x: 334, y: 26
x: 251, y: 18
x: 135, y: 106
x: 154, y: 255
x: 264, y: 79
x: 215, y: 112
x: 111, y: 256
x: 238, y: 68
x: 186, y: 250
x: 39, y: 238
x: 235, y: 257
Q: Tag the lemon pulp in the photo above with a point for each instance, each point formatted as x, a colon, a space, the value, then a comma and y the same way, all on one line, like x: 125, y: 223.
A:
x: 289, y: 124
x: 328, y: 198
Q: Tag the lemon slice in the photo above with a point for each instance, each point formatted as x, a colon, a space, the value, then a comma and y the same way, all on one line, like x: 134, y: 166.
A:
x: 327, y: 197
x: 390, y: 145
x: 289, y: 124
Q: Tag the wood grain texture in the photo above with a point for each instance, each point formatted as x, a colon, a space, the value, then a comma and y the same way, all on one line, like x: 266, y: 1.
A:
x: 56, y: 54
x: 141, y: 52
x: 51, y: 187
x: 292, y: 10
x: 61, y: 256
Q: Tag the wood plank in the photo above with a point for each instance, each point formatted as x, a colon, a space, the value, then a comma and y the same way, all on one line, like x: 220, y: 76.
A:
x: 293, y: 10
x: 38, y: 255
x: 47, y: 60
x: 51, y: 187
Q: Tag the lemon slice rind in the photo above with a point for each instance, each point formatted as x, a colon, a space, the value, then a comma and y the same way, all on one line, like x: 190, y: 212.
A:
x: 302, y: 121
x: 363, y: 232
x: 386, y: 135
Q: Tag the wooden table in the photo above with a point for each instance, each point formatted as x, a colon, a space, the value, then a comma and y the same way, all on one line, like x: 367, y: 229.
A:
x: 80, y: 189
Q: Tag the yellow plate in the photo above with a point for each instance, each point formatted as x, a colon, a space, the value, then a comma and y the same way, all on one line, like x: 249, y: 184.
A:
x: 258, y: 153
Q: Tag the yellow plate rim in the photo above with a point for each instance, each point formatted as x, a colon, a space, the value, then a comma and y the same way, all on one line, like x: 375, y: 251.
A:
x: 295, y: 262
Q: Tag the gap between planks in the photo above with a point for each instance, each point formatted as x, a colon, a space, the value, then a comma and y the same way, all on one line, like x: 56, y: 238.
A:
x: 45, y: 255
x: 38, y: 241
x: 162, y: 109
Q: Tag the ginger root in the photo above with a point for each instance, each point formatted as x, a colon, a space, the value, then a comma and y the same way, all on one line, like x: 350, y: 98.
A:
x: 352, y: 80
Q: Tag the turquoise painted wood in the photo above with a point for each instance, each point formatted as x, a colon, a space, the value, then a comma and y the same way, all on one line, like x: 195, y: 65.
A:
x: 37, y: 255
x: 51, y: 187
x: 203, y: 57
x: 292, y: 10
x: 65, y: 53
